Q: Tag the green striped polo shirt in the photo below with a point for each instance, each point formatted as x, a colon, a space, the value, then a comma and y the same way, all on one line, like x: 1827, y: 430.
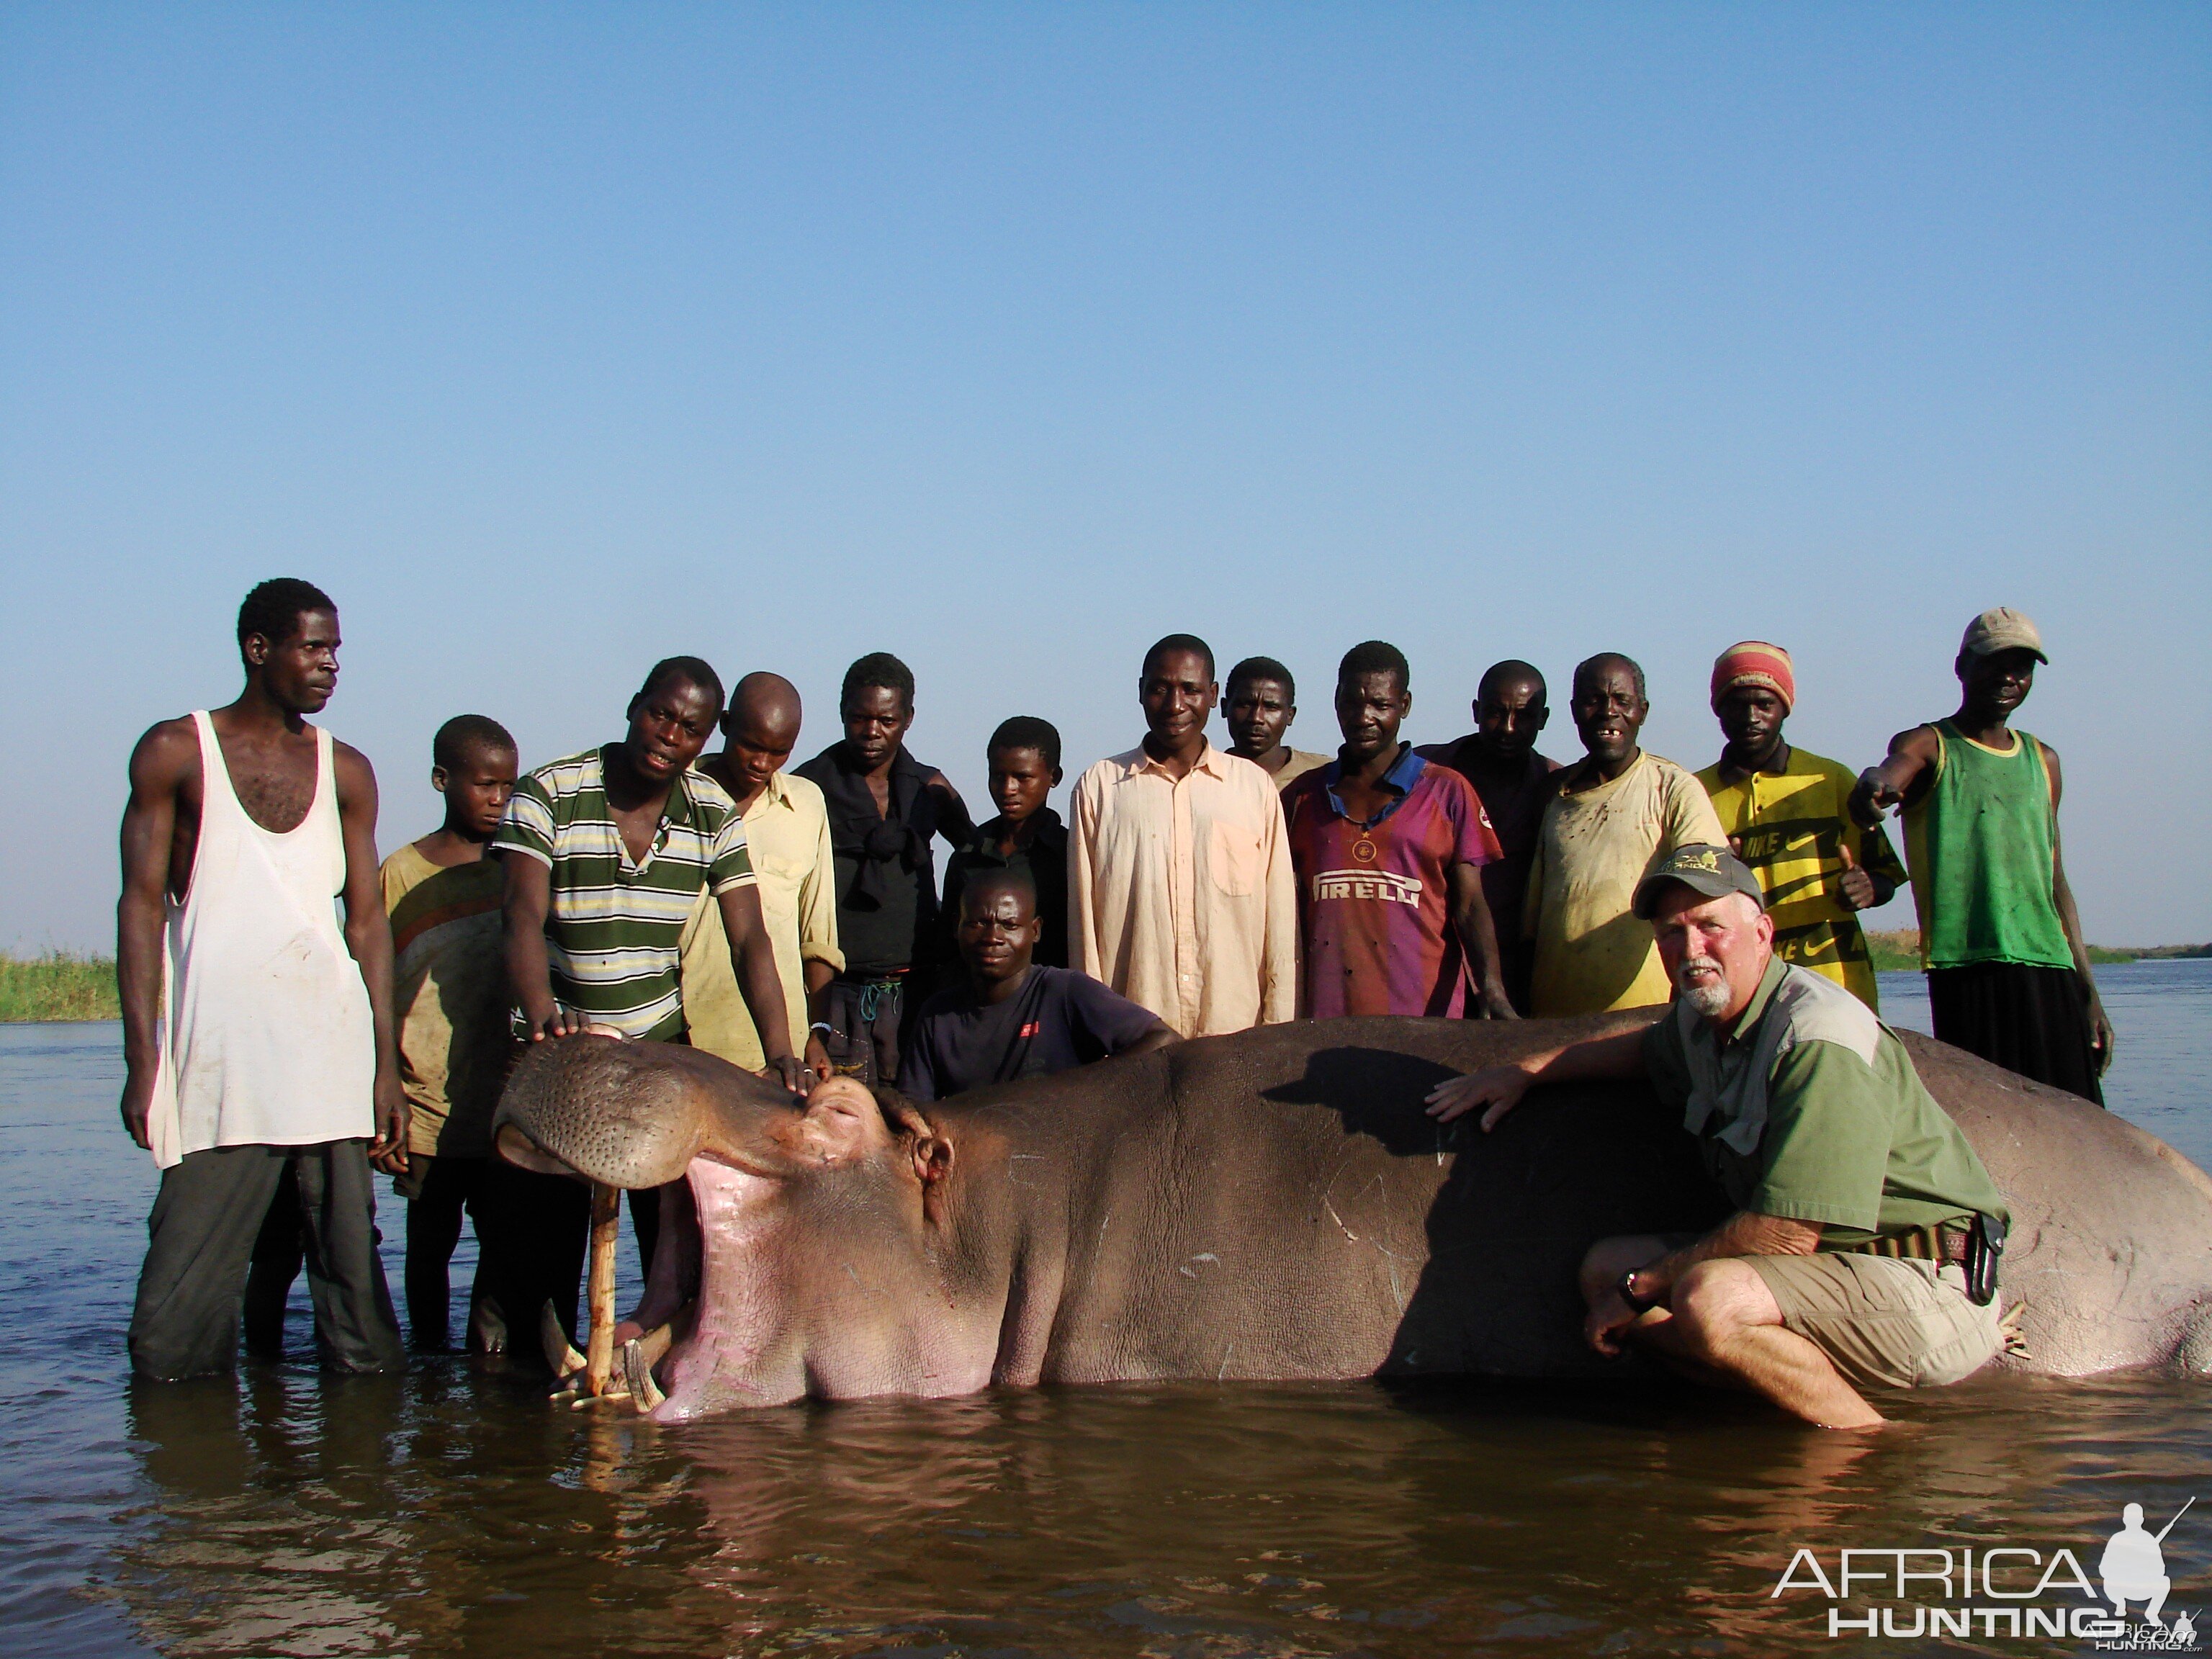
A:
x: 614, y: 932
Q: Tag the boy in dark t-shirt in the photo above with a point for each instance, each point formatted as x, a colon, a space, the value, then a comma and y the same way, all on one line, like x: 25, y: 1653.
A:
x: 1024, y: 756
x: 1014, y: 1018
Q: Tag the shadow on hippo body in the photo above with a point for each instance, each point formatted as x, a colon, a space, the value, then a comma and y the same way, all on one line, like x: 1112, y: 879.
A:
x: 1274, y: 1205
x: 1505, y: 1230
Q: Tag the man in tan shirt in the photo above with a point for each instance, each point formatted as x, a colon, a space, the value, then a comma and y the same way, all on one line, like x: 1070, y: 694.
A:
x: 1617, y: 812
x: 788, y: 834
x: 1179, y: 891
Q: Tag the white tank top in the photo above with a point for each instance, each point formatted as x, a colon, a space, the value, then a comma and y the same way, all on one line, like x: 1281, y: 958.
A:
x: 266, y: 1036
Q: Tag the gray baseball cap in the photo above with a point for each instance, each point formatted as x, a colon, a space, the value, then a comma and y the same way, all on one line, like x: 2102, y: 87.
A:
x: 1702, y: 868
x: 2002, y: 630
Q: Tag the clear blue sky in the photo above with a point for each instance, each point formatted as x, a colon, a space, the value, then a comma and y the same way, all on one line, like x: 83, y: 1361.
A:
x: 552, y: 339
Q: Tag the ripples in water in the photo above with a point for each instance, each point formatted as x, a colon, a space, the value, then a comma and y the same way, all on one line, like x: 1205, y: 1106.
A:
x: 450, y: 1511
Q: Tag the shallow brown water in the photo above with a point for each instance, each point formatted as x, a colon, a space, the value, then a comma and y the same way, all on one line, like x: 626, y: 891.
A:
x: 450, y: 1511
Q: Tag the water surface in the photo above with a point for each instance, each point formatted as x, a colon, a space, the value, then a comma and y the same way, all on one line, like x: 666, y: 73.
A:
x: 450, y: 1512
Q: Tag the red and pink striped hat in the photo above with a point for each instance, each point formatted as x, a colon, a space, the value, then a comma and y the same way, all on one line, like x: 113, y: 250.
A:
x: 1754, y: 662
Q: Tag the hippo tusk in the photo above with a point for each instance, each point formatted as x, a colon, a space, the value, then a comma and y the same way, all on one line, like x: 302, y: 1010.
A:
x: 639, y: 1355
x: 600, y: 1346
x: 572, y: 1388
x: 637, y: 1369
x: 655, y: 1343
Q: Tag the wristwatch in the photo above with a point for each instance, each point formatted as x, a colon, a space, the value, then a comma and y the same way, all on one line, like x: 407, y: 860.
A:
x: 1624, y: 1287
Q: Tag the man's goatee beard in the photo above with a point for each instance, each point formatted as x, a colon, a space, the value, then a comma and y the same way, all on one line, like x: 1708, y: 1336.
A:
x: 1709, y: 999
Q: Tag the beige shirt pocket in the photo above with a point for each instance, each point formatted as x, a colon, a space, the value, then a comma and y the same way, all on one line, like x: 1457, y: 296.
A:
x: 781, y: 877
x: 1233, y: 857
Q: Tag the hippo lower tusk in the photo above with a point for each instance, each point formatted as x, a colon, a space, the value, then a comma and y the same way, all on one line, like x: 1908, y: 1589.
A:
x: 645, y: 1394
x: 655, y: 1343
x: 600, y: 1346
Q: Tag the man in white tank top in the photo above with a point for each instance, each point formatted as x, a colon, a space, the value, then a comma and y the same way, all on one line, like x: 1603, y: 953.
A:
x: 257, y: 1036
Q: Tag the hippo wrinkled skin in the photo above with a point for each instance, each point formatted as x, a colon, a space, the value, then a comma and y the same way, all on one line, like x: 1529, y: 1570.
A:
x: 1274, y: 1204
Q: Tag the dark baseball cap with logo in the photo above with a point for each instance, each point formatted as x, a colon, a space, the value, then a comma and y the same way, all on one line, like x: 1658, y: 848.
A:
x: 1703, y: 868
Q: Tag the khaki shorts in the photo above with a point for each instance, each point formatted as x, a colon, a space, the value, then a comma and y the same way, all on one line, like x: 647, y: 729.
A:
x: 1883, y: 1321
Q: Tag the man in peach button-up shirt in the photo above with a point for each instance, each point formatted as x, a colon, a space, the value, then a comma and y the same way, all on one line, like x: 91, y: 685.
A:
x: 1180, y: 891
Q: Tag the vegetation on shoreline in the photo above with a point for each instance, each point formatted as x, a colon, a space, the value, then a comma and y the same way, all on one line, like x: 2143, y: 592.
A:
x: 1897, y: 951
x: 1894, y: 950
x: 59, y: 985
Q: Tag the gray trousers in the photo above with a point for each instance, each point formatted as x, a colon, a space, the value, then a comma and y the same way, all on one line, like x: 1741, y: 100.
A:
x: 206, y: 1217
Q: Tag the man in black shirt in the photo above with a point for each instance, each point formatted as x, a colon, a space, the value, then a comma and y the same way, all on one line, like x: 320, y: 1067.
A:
x: 1013, y: 1018
x: 886, y: 807
x: 1514, y: 783
x: 1027, y: 834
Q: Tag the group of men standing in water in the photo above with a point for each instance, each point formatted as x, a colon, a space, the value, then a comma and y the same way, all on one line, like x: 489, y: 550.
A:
x: 790, y: 919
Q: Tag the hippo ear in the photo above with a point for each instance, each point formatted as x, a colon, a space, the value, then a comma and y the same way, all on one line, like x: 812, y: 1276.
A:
x: 932, y: 1158
x: 932, y: 1154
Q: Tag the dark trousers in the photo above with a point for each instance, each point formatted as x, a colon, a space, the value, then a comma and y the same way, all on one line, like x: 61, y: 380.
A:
x: 440, y: 1192
x: 864, y: 1018
x: 280, y: 1249
x: 539, y: 1226
x: 645, y: 1224
x: 2035, y: 1021
x: 207, y: 1215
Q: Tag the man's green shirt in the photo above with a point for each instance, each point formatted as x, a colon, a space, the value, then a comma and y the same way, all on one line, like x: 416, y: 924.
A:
x: 1808, y: 1108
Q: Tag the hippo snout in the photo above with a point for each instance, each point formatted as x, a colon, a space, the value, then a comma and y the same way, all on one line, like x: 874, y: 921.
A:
x: 607, y: 1110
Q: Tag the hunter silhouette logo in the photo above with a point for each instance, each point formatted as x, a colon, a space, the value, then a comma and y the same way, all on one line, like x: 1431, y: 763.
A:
x: 2133, y: 1568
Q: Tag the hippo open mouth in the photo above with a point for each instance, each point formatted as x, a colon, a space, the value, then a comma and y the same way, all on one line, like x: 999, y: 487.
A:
x: 709, y: 1343
x: 736, y: 1287
x: 700, y: 1334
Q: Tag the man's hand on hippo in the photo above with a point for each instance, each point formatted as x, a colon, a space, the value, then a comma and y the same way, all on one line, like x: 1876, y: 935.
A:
x: 1497, y: 1089
x: 792, y: 1073
x: 558, y: 1023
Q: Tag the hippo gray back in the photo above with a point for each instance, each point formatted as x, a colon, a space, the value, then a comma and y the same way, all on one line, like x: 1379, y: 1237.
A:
x: 1294, y: 1167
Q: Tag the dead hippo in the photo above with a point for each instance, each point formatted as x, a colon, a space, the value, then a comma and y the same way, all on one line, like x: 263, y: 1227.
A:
x: 1270, y: 1205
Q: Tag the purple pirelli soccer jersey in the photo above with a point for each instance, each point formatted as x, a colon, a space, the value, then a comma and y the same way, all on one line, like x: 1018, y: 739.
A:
x: 1375, y: 900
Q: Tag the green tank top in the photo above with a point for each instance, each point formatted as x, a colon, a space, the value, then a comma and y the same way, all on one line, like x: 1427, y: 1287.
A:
x: 1980, y: 847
